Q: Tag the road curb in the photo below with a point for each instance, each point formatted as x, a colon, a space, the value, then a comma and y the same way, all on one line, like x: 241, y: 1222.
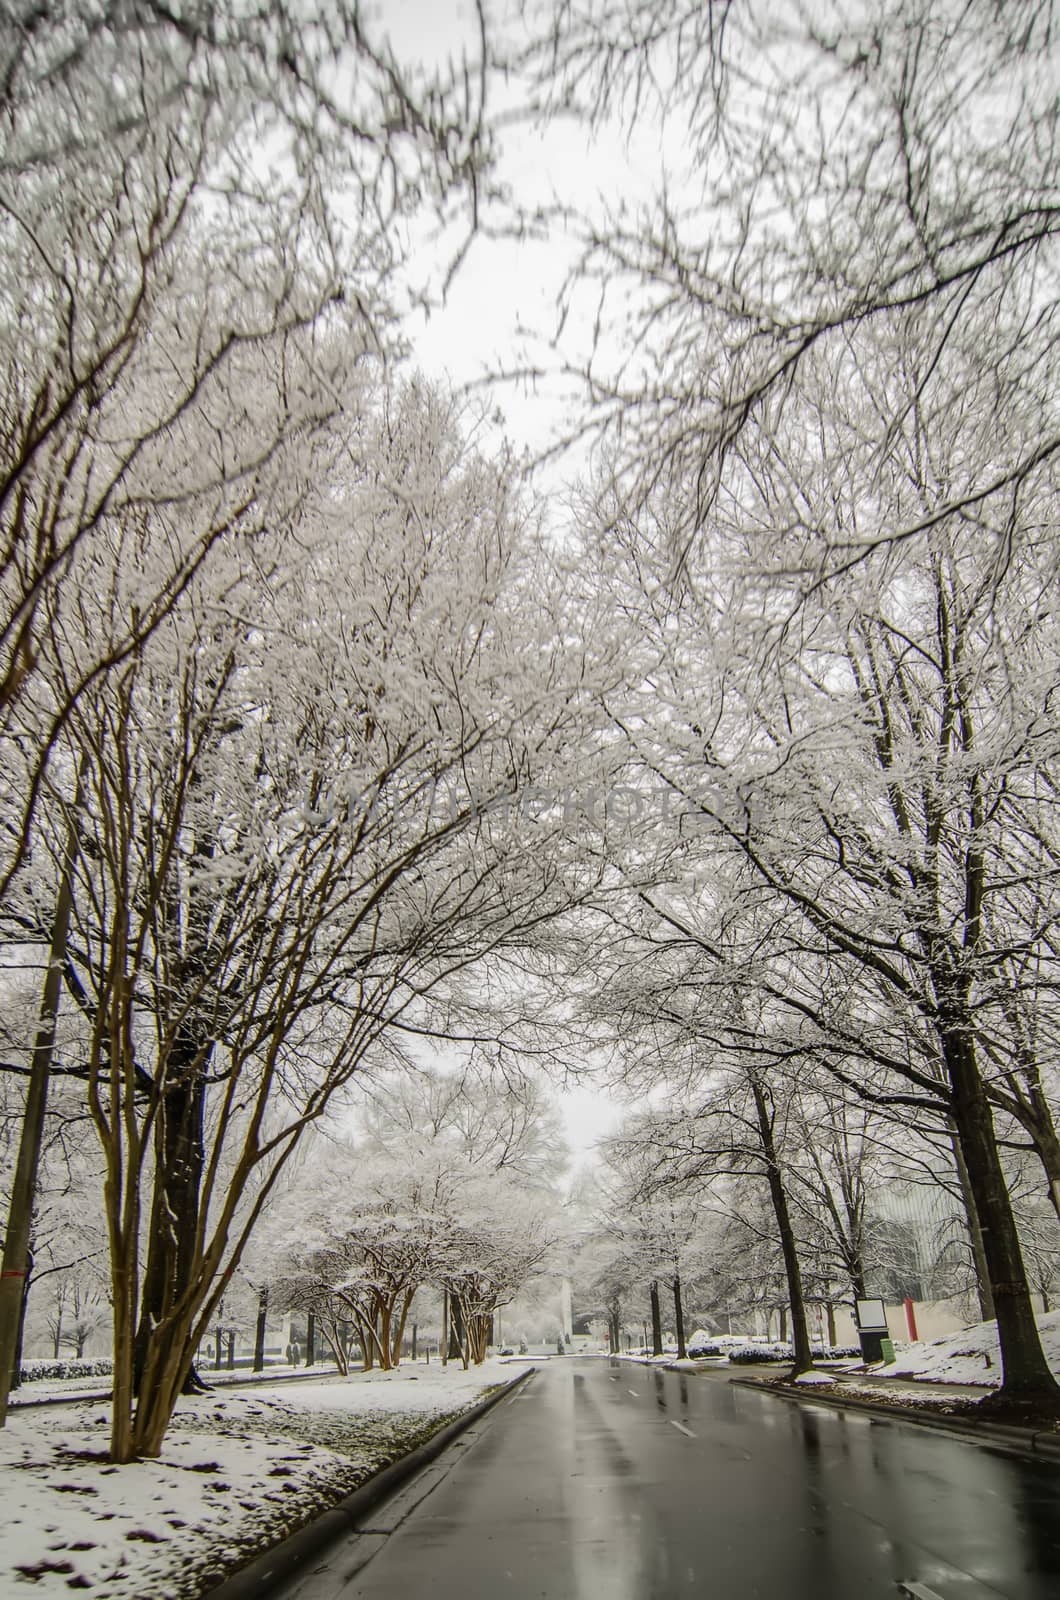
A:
x: 283, y: 1559
x: 1044, y: 1447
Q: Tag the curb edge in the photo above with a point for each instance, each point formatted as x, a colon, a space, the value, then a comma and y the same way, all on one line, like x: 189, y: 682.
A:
x: 1035, y: 1445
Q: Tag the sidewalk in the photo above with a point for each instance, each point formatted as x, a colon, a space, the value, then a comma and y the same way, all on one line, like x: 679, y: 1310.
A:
x: 881, y: 1379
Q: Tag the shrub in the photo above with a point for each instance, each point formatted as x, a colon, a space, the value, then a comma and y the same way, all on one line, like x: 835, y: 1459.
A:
x: 87, y: 1367
x: 748, y: 1354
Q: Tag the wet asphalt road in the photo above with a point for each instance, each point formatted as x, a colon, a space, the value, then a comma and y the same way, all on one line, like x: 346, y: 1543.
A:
x: 603, y: 1481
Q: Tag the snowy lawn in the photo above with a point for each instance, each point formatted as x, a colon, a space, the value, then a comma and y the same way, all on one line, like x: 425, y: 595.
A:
x: 972, y: 1356
x: 238, y: 1471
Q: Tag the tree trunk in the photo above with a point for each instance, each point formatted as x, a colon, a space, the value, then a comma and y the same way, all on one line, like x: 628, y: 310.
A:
x: 179, y: 1159
x: 310, y: 1338
x: 259, y: 1328
x: 456, y: 1329
x: 398, y: 1334
x: 656, y: 1319
x: 679, y: 1317
x: 15, y: 1269
x: 1026, y: 1377
x: 123, y: 1297
x: 386, y: 1349
x: 16, y: 1370
x: 800, y: 1333
x: 829, y: 1312
x: 975, y: 1232
x: 58, y: 1339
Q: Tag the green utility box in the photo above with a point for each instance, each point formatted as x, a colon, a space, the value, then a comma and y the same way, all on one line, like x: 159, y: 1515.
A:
x: 887, y: 1354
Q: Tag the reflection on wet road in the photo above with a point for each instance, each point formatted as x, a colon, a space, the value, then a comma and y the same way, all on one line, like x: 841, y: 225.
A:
x: 604, y: 1481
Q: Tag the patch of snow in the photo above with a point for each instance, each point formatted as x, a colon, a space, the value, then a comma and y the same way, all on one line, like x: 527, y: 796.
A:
x: 237, y: 1471
x: 972, y: 1356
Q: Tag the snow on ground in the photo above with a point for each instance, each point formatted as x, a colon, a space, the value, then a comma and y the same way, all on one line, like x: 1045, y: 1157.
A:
x: 972, y: 1356
x: 237, y: 1472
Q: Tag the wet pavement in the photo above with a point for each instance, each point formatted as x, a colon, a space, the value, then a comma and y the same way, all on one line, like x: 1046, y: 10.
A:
x: 606, y: 1481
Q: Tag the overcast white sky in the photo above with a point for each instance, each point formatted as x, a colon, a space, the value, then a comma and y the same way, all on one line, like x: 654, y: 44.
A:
x: 503, y: 283
x: 500, y: 285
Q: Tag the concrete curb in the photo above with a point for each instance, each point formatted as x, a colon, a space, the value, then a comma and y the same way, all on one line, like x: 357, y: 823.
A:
x: 265, y: 1572
x: 1044, y: 1447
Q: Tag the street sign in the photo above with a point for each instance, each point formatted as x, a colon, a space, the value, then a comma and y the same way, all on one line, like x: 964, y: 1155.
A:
x: 871, y: 1316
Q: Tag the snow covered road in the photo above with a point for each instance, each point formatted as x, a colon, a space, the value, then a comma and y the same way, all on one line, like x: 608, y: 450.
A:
x: 585, y: 1487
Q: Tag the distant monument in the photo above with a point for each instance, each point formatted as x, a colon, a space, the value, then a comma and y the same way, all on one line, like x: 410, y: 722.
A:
x: 565, y: 1310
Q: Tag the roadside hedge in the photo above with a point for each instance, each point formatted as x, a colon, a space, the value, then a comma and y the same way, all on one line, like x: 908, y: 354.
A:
x: 87, y: 1367
x: 752, y: 1354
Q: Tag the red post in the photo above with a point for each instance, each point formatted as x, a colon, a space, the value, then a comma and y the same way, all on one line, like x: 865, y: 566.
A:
x: 910, y: 1321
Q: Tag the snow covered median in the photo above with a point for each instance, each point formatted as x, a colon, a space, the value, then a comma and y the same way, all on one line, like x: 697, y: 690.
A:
x: 238, y: 1472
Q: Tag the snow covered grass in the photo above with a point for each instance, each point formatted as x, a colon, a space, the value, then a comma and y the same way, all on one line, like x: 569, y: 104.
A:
x: 237, y: 1472
x: 972, y: 1356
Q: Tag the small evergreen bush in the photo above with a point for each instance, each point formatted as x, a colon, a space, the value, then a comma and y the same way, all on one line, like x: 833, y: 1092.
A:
x: 87, y: 1367
x: 750, y: 1354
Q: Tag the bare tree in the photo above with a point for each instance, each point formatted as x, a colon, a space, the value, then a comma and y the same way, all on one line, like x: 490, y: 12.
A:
x: 817, y: 169
x: 270, y: 881
x: 176, y: 196
x: 874, y: 792
x: 148, y: 247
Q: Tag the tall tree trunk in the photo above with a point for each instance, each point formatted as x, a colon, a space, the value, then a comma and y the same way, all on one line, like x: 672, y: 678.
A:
x: 456, y: 1329
x: 259, y: 1328
x: 15, y: 1269
x: 310, y: 1338
x: 179, y: 1159
x: 398, y: 1334
x: 679, y: 1317
x: 800, y: 1333
x: 975, y: 1232
x: 386, y: 1349
x: 1026, y: 1376
x: 16, y: 1369
x: 656, y: 1319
